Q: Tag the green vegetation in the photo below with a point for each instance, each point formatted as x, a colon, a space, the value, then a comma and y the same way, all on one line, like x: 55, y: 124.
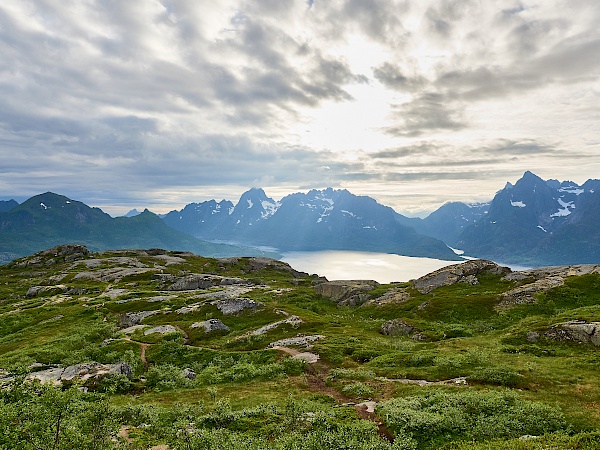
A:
x: 470, y: 374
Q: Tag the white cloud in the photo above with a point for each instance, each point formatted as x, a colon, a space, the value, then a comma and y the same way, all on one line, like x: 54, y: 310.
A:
x: 121, y: 100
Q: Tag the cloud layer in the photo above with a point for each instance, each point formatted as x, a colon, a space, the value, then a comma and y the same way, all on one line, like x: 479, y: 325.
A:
x: 160, y: 103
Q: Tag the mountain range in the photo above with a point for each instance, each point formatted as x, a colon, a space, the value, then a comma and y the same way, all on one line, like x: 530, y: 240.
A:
x: 317, y: 220
x: 537, y: 222
x: 50, y: 219
x: 533, y: 222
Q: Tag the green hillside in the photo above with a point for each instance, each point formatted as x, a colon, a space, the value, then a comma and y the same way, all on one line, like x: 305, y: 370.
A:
x: 142, y: 349
x: 50, y: 219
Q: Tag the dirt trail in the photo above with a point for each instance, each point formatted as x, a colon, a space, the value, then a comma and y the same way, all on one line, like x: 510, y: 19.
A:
x: 143, y: 348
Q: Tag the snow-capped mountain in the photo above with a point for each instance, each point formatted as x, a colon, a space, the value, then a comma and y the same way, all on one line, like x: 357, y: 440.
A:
x: 316, y: 220
x: 539, y: 222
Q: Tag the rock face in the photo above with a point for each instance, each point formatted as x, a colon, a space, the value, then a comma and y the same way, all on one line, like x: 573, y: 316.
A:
x: 458, y: 273
x: 81, y: 372
x: 396, y: 327
x: 576, y: 331
x: 345, y: 292
x: 53, y: 255
x: 236, y: 305
x: 211, y: 325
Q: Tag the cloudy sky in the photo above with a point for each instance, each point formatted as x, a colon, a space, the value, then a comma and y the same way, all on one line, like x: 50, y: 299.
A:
x: 159, y: 103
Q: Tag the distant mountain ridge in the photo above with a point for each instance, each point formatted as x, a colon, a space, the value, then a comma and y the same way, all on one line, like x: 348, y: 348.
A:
x: 7, y: 205
x: 539, y: 222
x: 317, y: 220
x: 49, y: 219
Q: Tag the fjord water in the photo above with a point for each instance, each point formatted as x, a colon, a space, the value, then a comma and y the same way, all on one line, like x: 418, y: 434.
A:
x: 351, y: 265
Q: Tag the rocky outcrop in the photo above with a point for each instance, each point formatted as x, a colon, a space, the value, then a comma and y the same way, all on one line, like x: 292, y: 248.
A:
x: 112, y: 273
x: 236, y: 305
x: 300, y: 340
x: 347, y: 292
x: 576, y: 331
x: 196, y: 281
x: 211, y: 325
x: 34, y: 291
x: 133, y: 318
x: 81, y: 372
x: 458, y: 273
x: 394, y: 295
x: 396, y: 327
x: 60, y: 253
x: 162, y: 329
x: 553, y: 271
x: 525, y: 294
x: 294, y: 321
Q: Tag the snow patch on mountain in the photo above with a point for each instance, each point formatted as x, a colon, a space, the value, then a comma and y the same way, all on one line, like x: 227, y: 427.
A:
x: 250, y: 204
x: 269, y: 208
x: 572, y: 190
x: 542, y: 228
x: 518, y: 204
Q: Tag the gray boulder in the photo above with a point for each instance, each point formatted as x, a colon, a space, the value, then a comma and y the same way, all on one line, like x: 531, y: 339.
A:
x: 579, y: 331
x: 236, y: 305
x: 134, y: 318
x: 396, y: 327
x: 34, y: 291
x: 347, y: 292
x: 458, y: 273
x: 188, y: 373
x: 211, y: 325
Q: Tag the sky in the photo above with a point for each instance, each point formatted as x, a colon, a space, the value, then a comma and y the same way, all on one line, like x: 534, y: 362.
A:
x: 158, y: 103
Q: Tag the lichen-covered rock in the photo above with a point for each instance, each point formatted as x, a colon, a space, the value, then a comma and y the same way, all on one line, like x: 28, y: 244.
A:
x: 236, y: 305
x: 161, y: 329
x: 458, y: 273
x: 553, y: 271
x: 525, y: 294
x: 60, y: 253
x: 211, y: 325
x: 133, y: 318
x: 576, y: 331
x: 34, y: 291
x: 196, y: 281
x: 396, y: 327
x: 347, y: 292
x: 188, y: 373
x: 81, y: 372
x: 394, y: 295
x: 299, y: 340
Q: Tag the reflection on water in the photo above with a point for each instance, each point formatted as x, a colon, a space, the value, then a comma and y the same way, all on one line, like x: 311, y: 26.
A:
x: 349, y: 265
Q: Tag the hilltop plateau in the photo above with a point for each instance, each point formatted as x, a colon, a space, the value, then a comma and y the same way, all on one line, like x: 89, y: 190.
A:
x: 137, y: 349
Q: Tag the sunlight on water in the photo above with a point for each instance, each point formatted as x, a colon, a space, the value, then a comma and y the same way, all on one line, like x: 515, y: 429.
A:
x: 349, y: 265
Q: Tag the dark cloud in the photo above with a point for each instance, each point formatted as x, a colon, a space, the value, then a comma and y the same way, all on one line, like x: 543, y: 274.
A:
x: 430, y: 112
x: 392, y: 77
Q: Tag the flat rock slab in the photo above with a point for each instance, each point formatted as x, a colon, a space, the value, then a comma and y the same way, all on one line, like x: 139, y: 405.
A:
x: 296, y: 341
x: 227, y: 292
x: 162, y: 329
x: 114, y: 293
x: 81, y: 372
x: 196, y: 281
x: 291, y: 320
x: 236, y: 305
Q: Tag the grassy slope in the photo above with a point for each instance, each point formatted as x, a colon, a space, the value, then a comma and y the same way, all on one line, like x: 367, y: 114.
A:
x: 465, y: 337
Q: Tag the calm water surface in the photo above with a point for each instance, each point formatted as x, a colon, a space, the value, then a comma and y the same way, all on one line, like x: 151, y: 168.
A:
x: 349, y: 265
